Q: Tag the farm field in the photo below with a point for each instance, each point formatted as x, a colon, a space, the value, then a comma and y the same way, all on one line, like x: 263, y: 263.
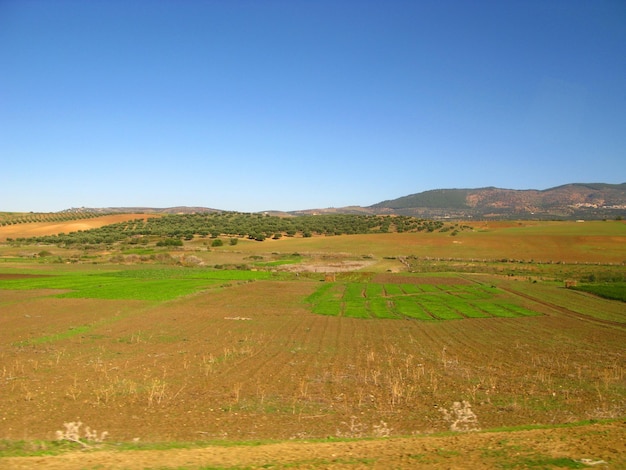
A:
x: 398, y: 336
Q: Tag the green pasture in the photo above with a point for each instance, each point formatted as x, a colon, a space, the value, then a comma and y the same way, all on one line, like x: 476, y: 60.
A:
x: 158, y: 284
x: 615, y: 291
x: 424, y: 302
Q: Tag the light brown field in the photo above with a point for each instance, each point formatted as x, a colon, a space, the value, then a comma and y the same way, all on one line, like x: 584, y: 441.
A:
x: 594, y: 242
x: 598, y: 445
x: 37, y: 229
x: 251, y: 362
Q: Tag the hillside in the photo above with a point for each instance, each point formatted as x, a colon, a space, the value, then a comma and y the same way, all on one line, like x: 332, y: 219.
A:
x: 570, y: 201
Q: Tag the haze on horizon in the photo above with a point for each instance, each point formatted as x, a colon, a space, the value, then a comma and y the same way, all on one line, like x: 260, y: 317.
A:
x: 287, y: 105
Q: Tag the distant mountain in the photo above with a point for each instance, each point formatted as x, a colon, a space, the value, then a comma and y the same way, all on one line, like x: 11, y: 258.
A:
x: 570, y: 201
x: 142, y: 210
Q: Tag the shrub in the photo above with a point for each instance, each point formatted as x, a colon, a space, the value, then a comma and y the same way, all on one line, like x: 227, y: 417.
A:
x: 170, y: 242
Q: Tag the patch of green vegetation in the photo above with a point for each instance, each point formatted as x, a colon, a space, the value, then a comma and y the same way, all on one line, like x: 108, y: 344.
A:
x: 393, y: 290
x: 575, y: 301
x: 72, y: 331
x: 158, y: 284
x: 613, y: 291
x: 544, y: 462
x: 508, y: 456
x: 408, y: 307
x: 280, y: 262
x: 139, y: 251
x: 23, y: 448
x: 379, y: 307
x: 322, y: 293
x: 328, y: 307
x: 424, y: 302
x: 34, y: 448
x: 373, y: 290
x: 354, y: 292
x: 355, y: 310
x: 441, y: 311
x: 547, y: 270
x: 411, y: 289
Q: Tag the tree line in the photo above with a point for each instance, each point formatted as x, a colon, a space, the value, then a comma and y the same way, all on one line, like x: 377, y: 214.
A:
x: 8, y: 218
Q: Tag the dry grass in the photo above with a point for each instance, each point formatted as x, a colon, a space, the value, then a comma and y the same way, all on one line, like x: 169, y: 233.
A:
x: 193, y: 367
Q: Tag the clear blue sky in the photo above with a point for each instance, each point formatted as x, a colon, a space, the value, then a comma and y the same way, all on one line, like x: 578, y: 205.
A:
x: 298, y: 104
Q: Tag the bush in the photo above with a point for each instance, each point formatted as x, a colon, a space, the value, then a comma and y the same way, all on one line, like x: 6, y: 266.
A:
x: 170, y: 242
x: 217, y: 242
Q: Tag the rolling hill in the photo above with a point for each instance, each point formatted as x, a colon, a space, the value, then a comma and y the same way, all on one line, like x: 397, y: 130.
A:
x: 569, y: 201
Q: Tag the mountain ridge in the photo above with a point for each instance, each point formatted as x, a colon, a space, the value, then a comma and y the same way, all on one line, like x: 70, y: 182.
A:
x: 568, y: 201
x: 574, y: 200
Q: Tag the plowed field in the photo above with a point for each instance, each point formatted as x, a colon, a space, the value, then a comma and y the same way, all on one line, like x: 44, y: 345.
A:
x: 247, y: 358
x: 251, y: 361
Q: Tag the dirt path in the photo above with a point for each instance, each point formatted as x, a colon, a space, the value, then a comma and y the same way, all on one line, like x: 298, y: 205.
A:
x: 593, y: 445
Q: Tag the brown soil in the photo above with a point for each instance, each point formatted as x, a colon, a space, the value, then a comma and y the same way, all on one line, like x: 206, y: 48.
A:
x: 37, y: 229
x: 388, y: 278
x: 251, y: 362
x: 594, y: 445
x: 328, y: 267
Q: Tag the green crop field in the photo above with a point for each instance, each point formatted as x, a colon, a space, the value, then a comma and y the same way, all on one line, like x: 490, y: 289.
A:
x: 416, y: 301
x: 616, y: 290
x: 158, y: 284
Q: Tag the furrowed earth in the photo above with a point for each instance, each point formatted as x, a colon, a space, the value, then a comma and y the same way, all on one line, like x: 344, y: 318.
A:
x: 245, y: 358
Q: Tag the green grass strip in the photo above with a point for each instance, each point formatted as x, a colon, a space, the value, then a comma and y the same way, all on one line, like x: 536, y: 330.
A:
x: 328, y: 307
x: 441, y: 311
x: 373, y: 290
x: 355, y: 310
x: 407, y: 307
x: 354, y: 291
x: 496, y: 310
x: 380, y: 308
x: 393, y: 290
x: 142, y: 284
x: 613, y: 291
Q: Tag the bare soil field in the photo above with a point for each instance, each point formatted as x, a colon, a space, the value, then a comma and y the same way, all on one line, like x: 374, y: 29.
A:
x: 249, y: 361
x: 37, y: 229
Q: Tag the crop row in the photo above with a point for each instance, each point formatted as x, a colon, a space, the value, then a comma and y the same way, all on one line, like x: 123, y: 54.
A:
x: 420, y: 302
x: 14, y: 219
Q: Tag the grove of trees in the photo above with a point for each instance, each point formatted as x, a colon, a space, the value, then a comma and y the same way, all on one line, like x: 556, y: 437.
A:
x: 238, y: 225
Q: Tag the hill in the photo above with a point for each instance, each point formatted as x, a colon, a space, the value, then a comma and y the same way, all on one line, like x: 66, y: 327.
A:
x: 570, y: 201
x: 142, y: 210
